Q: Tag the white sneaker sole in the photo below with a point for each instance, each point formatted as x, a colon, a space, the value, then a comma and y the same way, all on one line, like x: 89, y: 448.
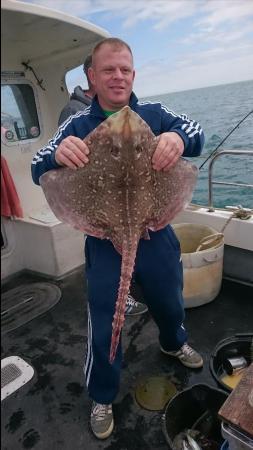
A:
x: 106, y: 433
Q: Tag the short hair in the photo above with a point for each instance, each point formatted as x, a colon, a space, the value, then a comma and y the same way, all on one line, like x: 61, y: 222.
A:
x: 116, y: 43
x: 87, y: 64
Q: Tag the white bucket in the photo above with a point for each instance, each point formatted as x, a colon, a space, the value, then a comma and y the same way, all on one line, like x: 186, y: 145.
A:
x: 202, y: 269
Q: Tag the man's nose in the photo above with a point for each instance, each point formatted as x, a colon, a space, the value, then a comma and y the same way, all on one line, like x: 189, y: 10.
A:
x: 118, y: 73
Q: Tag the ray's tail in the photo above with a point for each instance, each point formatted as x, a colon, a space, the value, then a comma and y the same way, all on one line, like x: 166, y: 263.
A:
x: 129, y: 250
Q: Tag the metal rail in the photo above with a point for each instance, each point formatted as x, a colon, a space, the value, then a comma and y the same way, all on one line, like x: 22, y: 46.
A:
x: 211, y: 182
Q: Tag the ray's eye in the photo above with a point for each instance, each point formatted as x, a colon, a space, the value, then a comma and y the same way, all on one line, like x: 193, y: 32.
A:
x: 115, y: 152
x: 138, y: 149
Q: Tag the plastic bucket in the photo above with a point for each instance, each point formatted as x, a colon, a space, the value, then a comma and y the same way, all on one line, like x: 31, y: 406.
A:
x: 231, y: 347
x: 202, y: 269
x: 186, y: 407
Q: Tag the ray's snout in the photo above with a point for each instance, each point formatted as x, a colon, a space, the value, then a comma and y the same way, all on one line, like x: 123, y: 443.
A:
x: 124, y: 122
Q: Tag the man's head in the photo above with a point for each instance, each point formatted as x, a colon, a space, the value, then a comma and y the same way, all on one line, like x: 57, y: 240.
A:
x: 112, y: 73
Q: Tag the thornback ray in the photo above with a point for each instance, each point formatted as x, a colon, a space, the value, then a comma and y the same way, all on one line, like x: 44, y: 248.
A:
x: 118, y: 195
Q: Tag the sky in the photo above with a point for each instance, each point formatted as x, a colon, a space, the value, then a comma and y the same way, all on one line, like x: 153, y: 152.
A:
x: 177, y: 44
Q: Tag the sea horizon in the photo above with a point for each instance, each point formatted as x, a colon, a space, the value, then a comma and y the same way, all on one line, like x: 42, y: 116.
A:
x: 195, y: 89
x: 219, y: 109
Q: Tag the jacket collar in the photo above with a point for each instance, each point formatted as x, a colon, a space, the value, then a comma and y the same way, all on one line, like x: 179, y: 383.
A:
x: 96, y: 109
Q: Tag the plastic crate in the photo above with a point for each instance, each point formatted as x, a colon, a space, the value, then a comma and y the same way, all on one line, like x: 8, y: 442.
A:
x: 236, y: 440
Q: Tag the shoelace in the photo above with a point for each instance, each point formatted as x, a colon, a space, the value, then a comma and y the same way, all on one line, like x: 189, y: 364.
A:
x: 130, y: 301
x: 100, y: 411
x: 187, y: 350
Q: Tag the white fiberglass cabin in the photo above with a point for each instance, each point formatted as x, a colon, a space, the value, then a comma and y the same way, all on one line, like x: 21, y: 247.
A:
x: 39, y: 46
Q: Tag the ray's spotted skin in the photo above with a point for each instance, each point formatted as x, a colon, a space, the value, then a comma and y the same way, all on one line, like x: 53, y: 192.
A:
x: 118, y: 195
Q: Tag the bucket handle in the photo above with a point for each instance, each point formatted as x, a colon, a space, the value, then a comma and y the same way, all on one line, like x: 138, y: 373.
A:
x: 210, y: 241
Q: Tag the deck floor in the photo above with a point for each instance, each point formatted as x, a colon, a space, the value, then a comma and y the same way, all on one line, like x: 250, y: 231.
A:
x: 51, y: 412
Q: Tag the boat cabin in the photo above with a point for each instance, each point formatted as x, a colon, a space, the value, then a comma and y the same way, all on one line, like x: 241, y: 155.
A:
x: 39, y: 46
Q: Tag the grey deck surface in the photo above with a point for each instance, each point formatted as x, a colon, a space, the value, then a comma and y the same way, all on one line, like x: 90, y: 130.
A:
x: 51, y: 412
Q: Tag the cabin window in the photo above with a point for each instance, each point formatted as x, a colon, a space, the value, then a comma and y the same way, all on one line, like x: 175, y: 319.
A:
x: 19, y: 119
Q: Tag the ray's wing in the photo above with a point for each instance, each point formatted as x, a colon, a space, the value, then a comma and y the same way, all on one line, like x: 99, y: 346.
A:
x: 173, y: 191
x: 80, y: 197
x: 69, y: 195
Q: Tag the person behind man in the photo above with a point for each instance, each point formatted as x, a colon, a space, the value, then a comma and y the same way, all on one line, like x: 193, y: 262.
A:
x: 79, y: 101
x: 158, y: 265
x: 80, y: 98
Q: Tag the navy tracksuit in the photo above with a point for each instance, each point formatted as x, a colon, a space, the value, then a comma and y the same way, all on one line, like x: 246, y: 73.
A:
x: 158, y: 266
x: 158, y: 269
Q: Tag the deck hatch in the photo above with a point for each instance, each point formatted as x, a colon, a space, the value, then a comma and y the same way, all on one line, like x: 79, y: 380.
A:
x: 9, y: 373
x: 15, y: 372
x: 26, y: 302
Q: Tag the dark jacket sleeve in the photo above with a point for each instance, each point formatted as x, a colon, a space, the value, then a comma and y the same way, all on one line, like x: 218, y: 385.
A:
x: 189, y: 130
x: 44, y: 159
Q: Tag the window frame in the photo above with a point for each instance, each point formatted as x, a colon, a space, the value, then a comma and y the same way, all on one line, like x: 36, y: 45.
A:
x: 19, y: 79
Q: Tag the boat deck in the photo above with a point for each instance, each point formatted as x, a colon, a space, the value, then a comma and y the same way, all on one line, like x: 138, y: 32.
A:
x: 51, y: 411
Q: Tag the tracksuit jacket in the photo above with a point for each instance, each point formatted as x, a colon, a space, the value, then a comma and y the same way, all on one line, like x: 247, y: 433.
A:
x: 157, y: 116
x: 158, y: 266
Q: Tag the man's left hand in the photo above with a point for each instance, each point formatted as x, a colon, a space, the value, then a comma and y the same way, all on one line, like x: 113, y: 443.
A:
x: 168, y: 151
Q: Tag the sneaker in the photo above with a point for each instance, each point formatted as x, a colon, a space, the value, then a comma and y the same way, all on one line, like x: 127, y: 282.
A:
x: 187, y: 355
x: 134, y: 308
x: 101, y: 420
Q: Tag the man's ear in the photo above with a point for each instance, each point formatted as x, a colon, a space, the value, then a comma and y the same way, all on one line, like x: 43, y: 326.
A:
x: 91, y: 74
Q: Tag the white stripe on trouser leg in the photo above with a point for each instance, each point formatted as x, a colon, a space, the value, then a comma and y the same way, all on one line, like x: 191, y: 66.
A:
x: 89, y: 357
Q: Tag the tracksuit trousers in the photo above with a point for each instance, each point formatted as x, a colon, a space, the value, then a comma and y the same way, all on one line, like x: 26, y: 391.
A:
x: 158, y: 269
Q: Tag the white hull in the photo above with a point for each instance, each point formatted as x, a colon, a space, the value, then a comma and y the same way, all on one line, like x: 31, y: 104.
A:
x: 52, y: 248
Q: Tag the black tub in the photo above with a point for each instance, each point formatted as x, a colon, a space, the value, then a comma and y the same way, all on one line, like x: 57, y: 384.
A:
x: 186, y: 407
x: 234, y: 346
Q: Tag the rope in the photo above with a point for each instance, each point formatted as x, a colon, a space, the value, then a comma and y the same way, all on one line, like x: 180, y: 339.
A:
x: 214, y: 240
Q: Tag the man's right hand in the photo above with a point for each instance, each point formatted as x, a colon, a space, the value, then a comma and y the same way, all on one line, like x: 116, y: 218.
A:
x: 72, y: 152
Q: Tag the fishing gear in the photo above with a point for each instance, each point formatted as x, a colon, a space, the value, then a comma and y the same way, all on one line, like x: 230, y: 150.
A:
x: 225, y: 138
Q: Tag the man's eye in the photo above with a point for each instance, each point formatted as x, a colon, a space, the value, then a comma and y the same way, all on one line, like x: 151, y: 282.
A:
x: 115, y: 152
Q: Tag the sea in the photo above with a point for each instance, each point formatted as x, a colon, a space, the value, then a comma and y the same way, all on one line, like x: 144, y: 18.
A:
x: 219, y: 109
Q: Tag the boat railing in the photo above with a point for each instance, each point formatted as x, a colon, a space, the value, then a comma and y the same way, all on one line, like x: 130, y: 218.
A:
x: 211, y: 182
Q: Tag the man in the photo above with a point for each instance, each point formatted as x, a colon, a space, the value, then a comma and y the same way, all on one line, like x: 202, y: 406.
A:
x: 79, y: 101
x: 80, y: 98
x: 158, y: 263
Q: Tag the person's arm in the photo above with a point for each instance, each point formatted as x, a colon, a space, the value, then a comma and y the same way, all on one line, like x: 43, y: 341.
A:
x: 189, y: 130
x: 44, y: 159
x: 181, y: 136
x: 64, y: 149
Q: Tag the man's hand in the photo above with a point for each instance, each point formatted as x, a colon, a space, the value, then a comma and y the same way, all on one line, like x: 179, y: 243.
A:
x: 72, y: 152
x: 169, y: 149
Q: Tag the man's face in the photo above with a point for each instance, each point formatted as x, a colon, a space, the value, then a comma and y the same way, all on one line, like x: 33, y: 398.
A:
x: 112, y: 75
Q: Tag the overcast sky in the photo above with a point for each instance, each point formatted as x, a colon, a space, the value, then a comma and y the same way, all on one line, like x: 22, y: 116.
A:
x: 177, y: 44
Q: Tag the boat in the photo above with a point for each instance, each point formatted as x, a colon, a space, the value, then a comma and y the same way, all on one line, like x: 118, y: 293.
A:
x: 51, y: 409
